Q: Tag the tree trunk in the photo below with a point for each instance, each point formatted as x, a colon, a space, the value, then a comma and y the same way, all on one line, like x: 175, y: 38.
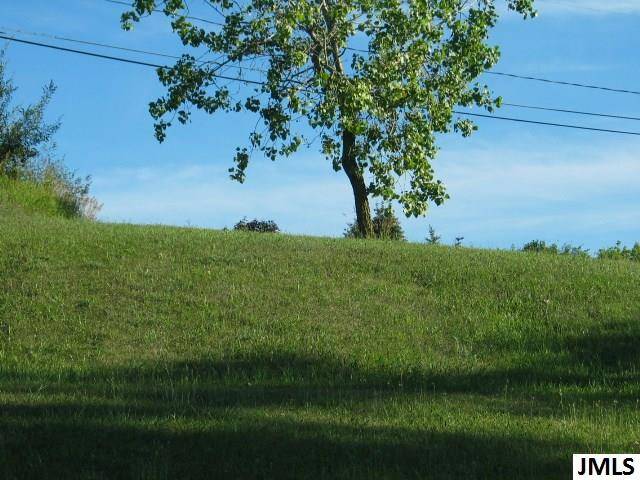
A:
x: 360, y: 195
x: 349, y: 162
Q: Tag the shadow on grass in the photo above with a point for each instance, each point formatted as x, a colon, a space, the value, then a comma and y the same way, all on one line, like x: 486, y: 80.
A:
x: 89, y: 443
x: 281, y: 415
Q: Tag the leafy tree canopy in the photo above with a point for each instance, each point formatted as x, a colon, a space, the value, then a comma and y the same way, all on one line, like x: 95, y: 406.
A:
x: 376, y: 80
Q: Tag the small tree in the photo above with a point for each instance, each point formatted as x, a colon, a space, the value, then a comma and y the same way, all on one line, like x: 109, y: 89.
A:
x: 377, y: 79
x: 24, y: 134
x: 433, y: 238
x: 27, y: 150
x: 386, y: 225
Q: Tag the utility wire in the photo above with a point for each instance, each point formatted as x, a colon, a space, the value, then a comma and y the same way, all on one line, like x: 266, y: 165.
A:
x: 118, y: 59
x: 562, y: 125
x: 86, y: 42
x: 116, y: 47
x: 488, y: 72
x: 199, y: 19
x: 254, y: 82
x: 92, y: 54
x: 575, y: 112
x: 575, y: 6
x: 147, y: 52
x: 560, y: 82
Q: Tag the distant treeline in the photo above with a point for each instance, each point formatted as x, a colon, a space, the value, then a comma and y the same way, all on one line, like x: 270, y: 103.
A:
x: 617, y: 252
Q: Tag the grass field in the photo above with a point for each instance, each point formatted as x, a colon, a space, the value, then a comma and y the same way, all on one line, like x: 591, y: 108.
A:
x: 154, y: 352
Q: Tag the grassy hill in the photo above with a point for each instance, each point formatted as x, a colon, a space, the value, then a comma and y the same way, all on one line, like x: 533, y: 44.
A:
x: 154, y: 352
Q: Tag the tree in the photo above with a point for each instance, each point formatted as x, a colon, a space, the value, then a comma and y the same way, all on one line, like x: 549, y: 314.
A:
x: 27, y: 150
x: 377, y: 109
x: 24, y: 134
x: 386, y: 225
x: 433, y: 238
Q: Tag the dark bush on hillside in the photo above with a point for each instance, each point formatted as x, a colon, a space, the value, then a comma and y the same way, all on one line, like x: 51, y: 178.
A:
x: 540, y: 246
x: 620, y: 252
x: 386, y: 225
x: 260, y: 226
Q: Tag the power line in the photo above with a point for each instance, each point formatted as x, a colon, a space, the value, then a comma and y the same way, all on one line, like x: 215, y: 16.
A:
x: 147, y: 52
x: 575, y: 112
x: 91, y: 54
x: 560, y: 82
x: 562, y: 125
x: 574, y: 6
x: 86, y: 42
x: 199, y: 19
x: 117, y: 59
x: 116, y: 47
x: 254, y: 82
x: 488, y: 72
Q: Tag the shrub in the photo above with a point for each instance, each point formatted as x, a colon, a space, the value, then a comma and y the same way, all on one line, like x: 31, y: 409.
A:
x: 540, y: 246
x: 386, y: 225
x: 575, y: 251
x: 72, y: 191
x: 26, y: 155
x: 620, y: 252
x: 433, y: 238
x: 260, y: 226
x: 24, y: 134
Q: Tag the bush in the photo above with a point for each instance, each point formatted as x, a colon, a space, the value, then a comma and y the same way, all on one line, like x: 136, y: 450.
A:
x: 540, y: 246
x: 619, y: 252
x: 24, y: 134
x: 260, y: 226
x: 433, y: 238
x: 26, y: 157
x: 386, y: 225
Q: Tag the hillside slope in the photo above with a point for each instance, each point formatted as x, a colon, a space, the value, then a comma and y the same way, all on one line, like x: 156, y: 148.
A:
x: 155, y: 352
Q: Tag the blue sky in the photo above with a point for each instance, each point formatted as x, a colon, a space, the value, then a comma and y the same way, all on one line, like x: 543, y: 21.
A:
x: 509, y: 183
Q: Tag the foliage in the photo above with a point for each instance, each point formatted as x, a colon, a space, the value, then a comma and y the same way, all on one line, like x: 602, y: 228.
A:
x: 386, y: 225
x: 24, y: 135
x: 620, y: 252
x: 540, y: 246
x: 27, y: 156
x: 433, y: 238
x: 172, y: 353
x: 260, y: 226
x: 377, y: 110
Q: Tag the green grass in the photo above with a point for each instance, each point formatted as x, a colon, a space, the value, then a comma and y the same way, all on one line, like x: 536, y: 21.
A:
x: 32, y: 197
x: 153, y: 352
